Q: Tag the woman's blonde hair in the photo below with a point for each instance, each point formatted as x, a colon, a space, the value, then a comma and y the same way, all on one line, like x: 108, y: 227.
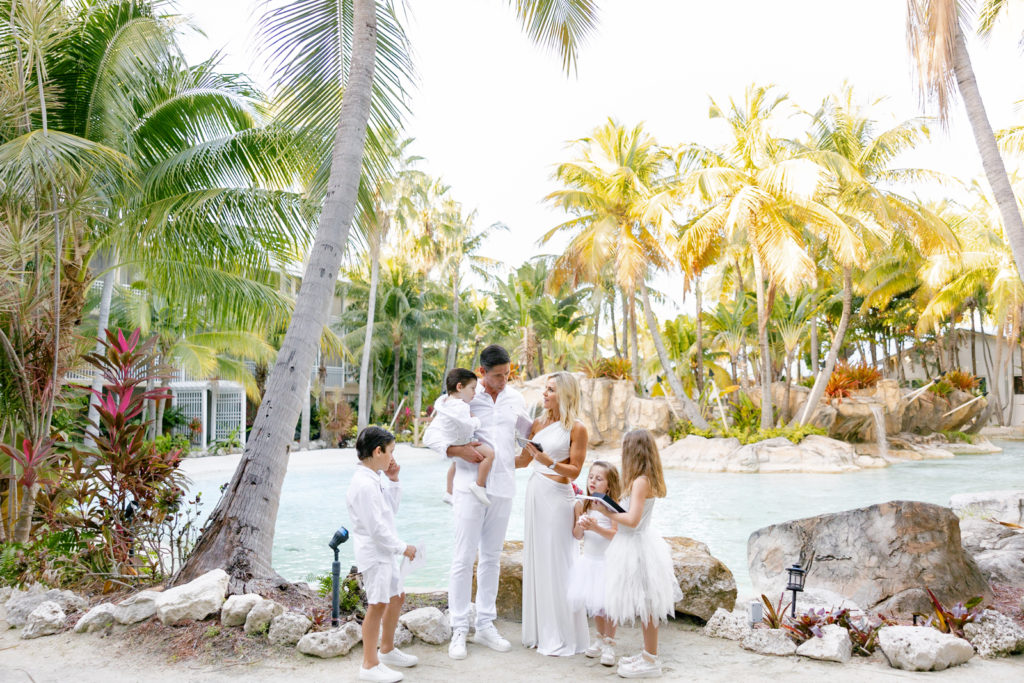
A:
x: 567, y: 391
x: 640, y: 459
x: 614, y: 485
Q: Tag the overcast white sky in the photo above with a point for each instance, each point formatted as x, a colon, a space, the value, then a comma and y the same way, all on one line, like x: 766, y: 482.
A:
x: 491, y: 113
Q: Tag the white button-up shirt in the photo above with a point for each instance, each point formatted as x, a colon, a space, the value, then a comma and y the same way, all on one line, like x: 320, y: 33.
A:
x: 498, y: 428
x: 372, y: 502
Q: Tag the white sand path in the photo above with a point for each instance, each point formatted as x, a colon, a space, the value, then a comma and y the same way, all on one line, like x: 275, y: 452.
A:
x: 687, y: 655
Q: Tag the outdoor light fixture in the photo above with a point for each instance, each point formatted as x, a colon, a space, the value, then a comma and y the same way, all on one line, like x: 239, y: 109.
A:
x: 797, y: 574
x: 340, y: 536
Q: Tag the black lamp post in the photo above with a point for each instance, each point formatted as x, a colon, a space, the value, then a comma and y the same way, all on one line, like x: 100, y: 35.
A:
x: 340, y: 536
x: 797, y: 574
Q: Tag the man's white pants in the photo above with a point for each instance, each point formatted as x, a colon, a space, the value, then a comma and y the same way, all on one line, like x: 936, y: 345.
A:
x: 477, y: 528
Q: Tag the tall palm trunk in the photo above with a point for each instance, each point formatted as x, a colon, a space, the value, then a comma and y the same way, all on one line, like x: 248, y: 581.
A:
x: 598, y: 304
x: 634, y: 342
x: 396, y: 353
x: 239, y: 535
x: 417, y: 392
x: 106, y: 296
x: 991, y: 161
x: 365, y: 386
x: 615, y: 328
x: 814, y: 345
x: 691, y: 409
x: 974, y: 342
x: 821, y: 381
x: 762, y: 341
x: 23, y: 527
x: 449, y: 362
x: 700, y: 337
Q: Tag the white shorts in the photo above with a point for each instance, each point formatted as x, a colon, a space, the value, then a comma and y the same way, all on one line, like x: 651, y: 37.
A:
x: 381, y: 582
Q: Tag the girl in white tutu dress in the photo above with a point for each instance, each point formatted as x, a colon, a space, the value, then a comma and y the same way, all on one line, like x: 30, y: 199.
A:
x: 640, y: 584
x: 586, y: 587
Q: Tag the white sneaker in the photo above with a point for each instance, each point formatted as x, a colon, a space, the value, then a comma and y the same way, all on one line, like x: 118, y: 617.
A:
x: 380, y: 674
x: 631, y: 659
x: 608, y: 652
x: 447, y: 498
x: 397, y: 658
x: 490, y: 637
x: 457, y: 648
x: 594, y: 650
x: 640, y: 668
x: 480, y: 492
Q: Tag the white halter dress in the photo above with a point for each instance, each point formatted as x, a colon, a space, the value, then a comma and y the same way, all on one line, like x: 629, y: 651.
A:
x: 640, y: 583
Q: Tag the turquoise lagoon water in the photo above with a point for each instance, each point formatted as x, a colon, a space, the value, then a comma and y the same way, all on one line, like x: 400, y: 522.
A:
x: 719, y: 509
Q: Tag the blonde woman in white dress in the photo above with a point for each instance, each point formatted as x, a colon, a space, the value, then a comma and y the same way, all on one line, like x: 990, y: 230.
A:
x: 550, y: 622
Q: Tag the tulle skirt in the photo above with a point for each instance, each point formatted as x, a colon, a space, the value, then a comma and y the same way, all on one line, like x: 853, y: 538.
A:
x: 640, y: 584
x: 586, y: 585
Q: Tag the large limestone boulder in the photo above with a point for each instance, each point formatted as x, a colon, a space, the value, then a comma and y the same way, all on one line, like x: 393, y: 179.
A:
x: 814, y: 454
x: 698, y: 454
x: 136, y: 608
x: 652, y: 414
x: 22, y: 603
x: 922, y: 648
x: 706, y: 583
x: 428, y: 624
x: 833, y: 645
x: 194, y: 600
x: 334, y: 643
x: 604, y: 408
x: 510, y: 582
x: 995, y: 635
x: 880, y: 556
x: 287, y: 629
x: 1004, y: 506
x: 45, y: 620
x: 97, y: 619
x: 930, y: 412
x: 259, y: 617
x: 998, y: 549
x: 237, y: 607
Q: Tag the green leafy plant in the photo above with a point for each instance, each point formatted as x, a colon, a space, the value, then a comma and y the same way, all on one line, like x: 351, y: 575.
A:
x: 864, y: 631
x: 611, y: 368
x: 954, y: 436
x: 953, y: 619
x: 166, y: 443
x: 961, y: 380
x: 941, y: 388
x: 774, y: 615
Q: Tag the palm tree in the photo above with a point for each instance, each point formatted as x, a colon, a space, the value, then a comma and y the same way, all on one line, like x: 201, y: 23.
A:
x: 621, y: 201
x: 328, y: 46
x: 935, y: 35
x: 757, y: 194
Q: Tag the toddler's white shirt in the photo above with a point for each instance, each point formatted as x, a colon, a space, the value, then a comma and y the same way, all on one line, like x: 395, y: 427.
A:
x: 453, y: 422
x: 372, y: 502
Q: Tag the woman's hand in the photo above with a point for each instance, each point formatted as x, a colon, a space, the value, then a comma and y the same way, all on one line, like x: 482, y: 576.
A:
x: 410, y: 552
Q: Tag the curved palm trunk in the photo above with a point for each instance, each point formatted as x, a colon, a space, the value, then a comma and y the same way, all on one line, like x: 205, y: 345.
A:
x: 396, y: 353
x: 700, y: 337
x: 417, y: 398
x: 821, y: 381
x: 991, y: 161
x: 762, y: 341
x: 239, y: 536
x: 599, y: 294
x: 690, y: 408
x: 449, y: 362
x: 814, y: 345
x: 365, y: 386
x: 23, y: 527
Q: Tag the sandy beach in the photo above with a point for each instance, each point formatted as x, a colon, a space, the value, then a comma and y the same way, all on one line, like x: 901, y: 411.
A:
x: 687, y: 655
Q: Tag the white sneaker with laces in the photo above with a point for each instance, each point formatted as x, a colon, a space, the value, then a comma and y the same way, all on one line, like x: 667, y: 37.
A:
x: 457, y: 648
x: 608, y: 652
x: 490, y: 637
x: 631, y: 658
x: 594, y: 650
x: 447, y: 498
x: 641, y: 668
x: 397, y: 658
x: 379, y: 674
x: 480, y: 492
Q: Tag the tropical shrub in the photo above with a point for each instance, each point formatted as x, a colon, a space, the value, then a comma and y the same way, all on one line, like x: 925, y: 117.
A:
x: 953, y: 619
x: 610, y: 368
x: 941, y: 388
x: 849, y: 378
x: 954, y: 436
x: 839, y: 386
x: 336, y: 418
x: 774, y: 615
x: 961, y: 380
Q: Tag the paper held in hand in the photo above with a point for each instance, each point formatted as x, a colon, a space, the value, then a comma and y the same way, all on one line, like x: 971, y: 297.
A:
x: 409, y: 566
x: 605, y: 500
x: 523, y: 426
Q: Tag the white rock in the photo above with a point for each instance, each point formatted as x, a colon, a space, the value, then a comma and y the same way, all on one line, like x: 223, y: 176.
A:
x: 334, y: 643
x: 260, y: 616
x: 22, y: 603
x: 287, y: 629
x: 833, y: 646
x: 5, y: 593
x: 46, y: 619
x: 194, y: 600
x: 728, y: 625
x: 995, y: 635
x: 237, y: 607
x: 1005, y: 506
x: 99, y: 617
x: 922, y: 648
x: 403, y: 636
x: 428, y: 624
x: 136, y: 608
x: 824, y: 599
x: 769, y: 641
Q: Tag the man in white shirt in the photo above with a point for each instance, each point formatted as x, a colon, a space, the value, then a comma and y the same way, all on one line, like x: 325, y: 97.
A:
x: 479, y: 528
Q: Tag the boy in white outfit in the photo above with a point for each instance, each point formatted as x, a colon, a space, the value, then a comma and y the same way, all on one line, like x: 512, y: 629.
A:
x: 372, y: 502
x: 454, y: 423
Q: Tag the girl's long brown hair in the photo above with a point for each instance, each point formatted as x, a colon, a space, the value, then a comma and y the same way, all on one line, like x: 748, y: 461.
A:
x: 640, y: 459
x: 614, y: 486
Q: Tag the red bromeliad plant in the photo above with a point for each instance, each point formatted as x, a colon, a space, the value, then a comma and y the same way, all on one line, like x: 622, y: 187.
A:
x: 35, y: 460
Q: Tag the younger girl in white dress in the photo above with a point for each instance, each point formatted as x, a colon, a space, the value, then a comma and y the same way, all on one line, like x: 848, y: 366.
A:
x: 640, y: 584
x: 586, y: 587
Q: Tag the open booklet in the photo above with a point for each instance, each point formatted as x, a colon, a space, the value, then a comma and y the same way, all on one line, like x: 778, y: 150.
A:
x: 523, y: 427
x: 605, y: 500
